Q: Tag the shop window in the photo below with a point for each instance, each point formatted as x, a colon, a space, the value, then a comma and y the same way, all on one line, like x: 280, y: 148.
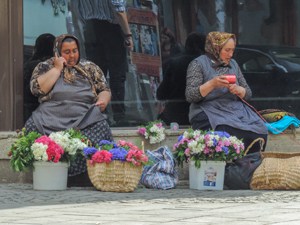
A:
x: 143, y: 67
x: 255, y: 23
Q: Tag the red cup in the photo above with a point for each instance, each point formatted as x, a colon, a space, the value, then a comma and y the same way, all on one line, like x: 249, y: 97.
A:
x: 231, y: 78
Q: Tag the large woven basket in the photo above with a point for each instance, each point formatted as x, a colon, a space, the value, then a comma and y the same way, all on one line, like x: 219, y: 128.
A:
x: 115, y: 176
x: 278, y: 171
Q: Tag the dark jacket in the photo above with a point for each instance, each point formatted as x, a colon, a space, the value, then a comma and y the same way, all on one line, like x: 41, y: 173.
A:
x: 172, y: 90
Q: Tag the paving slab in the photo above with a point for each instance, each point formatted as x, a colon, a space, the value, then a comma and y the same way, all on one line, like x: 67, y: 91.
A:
x: 20, y: 204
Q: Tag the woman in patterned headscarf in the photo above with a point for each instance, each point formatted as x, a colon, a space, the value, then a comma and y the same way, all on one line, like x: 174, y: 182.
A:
x: 73, y: 93
x: 215, y: 102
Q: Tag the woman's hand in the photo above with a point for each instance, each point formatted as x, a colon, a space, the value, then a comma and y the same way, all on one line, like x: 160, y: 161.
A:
x: 216, y: 82
x: 219, y: 81
x: 102, y: 104
x: 237, y: 90
x: 59, y: 62
x: 103, y: 100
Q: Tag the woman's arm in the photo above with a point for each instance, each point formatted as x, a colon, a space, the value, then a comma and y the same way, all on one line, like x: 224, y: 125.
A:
x: 196, y: 90
x: 48, y: 79
x: 194, y: 79
x: 101, y: 87
x: 103, y: 99
x: 43, y: 82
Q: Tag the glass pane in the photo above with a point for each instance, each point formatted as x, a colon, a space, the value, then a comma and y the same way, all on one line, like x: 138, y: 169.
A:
x: 271, y: 69
x: 132, y: 76
x: 268, y: 49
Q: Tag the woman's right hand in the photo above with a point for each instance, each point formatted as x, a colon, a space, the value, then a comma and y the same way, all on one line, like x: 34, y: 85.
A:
x: 219, y: 81
x: 216, y: 82
x: 49, y: 78
x: 59, y: 62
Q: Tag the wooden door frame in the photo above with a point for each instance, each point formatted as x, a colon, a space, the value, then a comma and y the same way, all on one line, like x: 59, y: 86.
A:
x: 11, y: 64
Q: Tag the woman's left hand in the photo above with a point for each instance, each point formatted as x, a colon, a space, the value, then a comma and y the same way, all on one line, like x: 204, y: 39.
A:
x: 237, y: 90
x: 103, y: 100
x: 102, y: 104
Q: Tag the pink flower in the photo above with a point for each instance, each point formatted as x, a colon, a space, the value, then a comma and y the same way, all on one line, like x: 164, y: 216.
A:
x: 142, y: 130
x: 206, y: 150
x: 101, y: 156
x: 43, y: 139
x: 137, y: 157
x: 187, y: 152
x: 218, y: 148
x: 127, y: 145
x: 54, y: 152
x: 122, y: 142
x: 227, y: 142
x: 159, y: 125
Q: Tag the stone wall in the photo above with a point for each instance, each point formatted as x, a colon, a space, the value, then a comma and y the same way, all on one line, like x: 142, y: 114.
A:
x: 287, y: 142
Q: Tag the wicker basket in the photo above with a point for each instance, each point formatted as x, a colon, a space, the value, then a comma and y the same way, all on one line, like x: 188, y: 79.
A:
x: 115, y: 176
x: 278, y: 171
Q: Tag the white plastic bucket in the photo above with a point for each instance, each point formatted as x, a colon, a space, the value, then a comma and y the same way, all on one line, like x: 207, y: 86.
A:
x: 50, y: 175
x: 210, y: 175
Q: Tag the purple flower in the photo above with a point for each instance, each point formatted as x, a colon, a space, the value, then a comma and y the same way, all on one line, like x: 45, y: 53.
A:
x: 118, y: 154
x: 215, y: 141
x: 225, y: 150
x: 222, y: 134
x: 89, y: 151
x: 180, y: 137
x: 106, y: 142
x: 107, y: 145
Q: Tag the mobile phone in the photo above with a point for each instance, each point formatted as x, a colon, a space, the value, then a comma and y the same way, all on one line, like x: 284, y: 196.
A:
x: 231, y: 78
x: 56, y: 52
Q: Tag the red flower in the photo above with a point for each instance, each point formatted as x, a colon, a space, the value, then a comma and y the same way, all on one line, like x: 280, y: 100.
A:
x: 54, y: 151
x: 101, y: 156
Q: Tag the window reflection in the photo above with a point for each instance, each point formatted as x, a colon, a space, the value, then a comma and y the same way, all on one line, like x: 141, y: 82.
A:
x: 272, y: 72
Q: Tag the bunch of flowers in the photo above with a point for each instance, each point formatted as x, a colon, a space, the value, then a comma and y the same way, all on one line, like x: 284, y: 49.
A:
x: 154, y: 131
x: 109, y: 151
x: 59, y: 146
x: 199, y: 146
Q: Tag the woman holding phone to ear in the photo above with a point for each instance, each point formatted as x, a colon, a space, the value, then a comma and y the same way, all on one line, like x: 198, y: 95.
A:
x: 73, y: 93
x: 216, y: 101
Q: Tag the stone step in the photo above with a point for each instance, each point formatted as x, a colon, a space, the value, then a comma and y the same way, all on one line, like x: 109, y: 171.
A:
x: 286, y: 142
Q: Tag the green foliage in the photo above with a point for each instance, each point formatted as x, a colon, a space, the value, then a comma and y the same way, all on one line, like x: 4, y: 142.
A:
x: 21, y: 154
x: 180, y: 157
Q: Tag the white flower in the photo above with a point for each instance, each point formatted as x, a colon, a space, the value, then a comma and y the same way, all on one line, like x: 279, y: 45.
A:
x: 74, y: 145
x: 70, y: 145
x: 196, y: 147
x: 155, y: 132
x: 197, y: 133
x: 61, y: 138
x: 39, y: 151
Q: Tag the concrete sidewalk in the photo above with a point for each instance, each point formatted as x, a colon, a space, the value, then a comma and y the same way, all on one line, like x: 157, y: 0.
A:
x: 19, y: 204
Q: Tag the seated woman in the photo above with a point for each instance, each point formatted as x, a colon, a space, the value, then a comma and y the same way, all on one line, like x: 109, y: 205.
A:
x: 215, y: 102
x: 73, y: 93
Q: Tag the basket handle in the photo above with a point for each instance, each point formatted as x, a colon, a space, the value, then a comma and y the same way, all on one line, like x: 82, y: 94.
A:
x: 260, y: 140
